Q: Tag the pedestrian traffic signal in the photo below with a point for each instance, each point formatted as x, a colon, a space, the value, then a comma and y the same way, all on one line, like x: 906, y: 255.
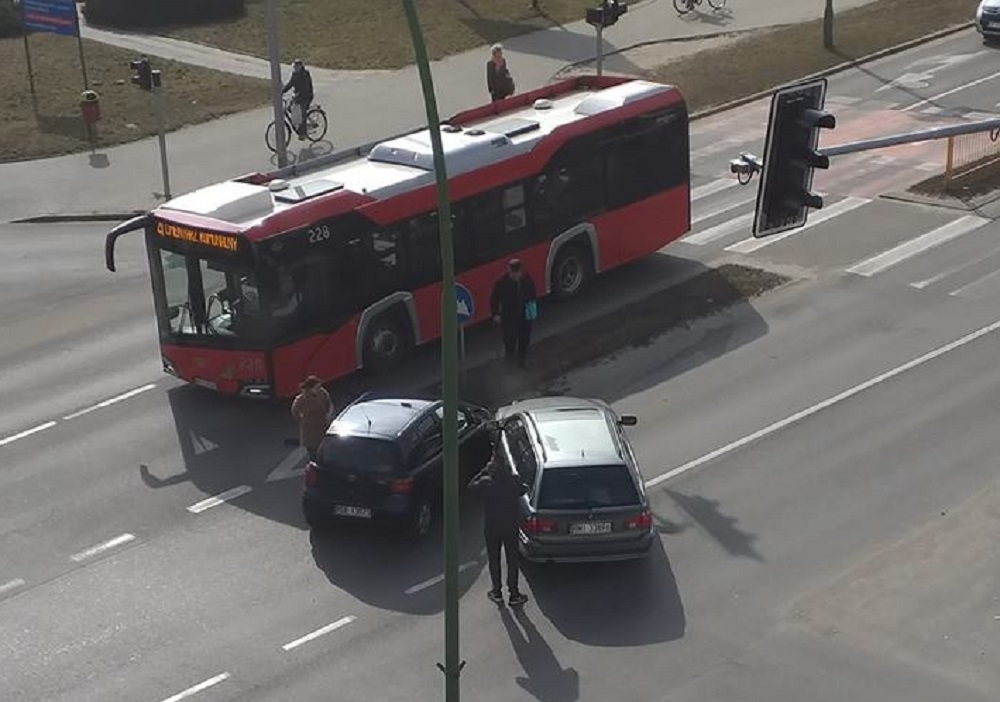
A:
x: 143, y: 76
x: 791, y: 157
x: 606, y: 14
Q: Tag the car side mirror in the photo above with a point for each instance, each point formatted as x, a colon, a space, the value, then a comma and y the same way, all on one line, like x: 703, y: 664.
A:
x: 628, y: 420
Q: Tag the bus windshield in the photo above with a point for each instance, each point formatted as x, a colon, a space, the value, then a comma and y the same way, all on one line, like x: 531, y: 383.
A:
x: 208, y: 298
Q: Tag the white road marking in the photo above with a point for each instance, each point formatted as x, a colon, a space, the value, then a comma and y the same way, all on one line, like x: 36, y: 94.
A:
x: 977, y: 116
x: 715, y: 186
x: 843, y: 207
x: 820, y: 406
x: 101, y: 548
x: 110, y: 401
x: 27, y: 432
x: 935, y: 237
x: 319, y: 632
x: 435, y: 580
x: 11, y: 585
x: 979, y: 282
x: 946, y: 93
x: 719, y: 230
x: 219, y: 499
x: 293, y: 465
x: 198, y: 688
x: 725, y: 208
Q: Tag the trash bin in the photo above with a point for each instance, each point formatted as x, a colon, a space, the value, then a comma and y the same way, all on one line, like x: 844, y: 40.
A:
x: 90, y: 106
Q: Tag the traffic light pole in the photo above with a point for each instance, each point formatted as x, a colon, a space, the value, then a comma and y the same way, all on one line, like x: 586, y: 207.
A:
x: 452, y: 666
x: 987, y: 125
x: 161, y: 126
x: 274, y: 57
x: 600, y: 49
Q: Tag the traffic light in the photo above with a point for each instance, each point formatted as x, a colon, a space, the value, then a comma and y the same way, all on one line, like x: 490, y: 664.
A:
x: 143, y: 76
x: 606, y: 14
x: 790, y: 158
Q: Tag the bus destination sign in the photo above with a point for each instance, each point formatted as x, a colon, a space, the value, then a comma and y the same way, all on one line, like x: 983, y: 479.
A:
x: 215, y: 240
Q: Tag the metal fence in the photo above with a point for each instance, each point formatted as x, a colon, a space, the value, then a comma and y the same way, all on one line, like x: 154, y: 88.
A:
x: 970, y: 154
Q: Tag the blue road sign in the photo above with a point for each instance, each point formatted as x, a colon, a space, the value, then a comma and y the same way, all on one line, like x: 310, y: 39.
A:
x: 466, y: 305
x: 55, y: 16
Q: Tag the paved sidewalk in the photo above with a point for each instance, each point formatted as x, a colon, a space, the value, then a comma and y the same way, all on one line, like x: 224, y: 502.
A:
x: 362, y: 105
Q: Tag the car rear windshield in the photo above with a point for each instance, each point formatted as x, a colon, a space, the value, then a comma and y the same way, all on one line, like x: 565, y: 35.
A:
x: 358, y: 454
x: 587, y: 487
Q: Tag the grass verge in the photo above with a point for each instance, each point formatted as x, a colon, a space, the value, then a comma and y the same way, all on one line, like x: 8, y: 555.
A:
x: 766, y: 58
x: 373, y: 34
x: 495, y: 383
x: 55, y: 127
x: 978, y: 180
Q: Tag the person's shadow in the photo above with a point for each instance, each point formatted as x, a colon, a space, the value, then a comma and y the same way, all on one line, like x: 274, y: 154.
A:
x: 545, y: 679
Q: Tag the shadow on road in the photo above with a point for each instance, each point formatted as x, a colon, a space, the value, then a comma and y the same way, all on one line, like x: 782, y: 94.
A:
x: 716, y: 18
x: 720, y: 526
x: 544, y: 678
x: 630, y: 603
x: 391, y: 572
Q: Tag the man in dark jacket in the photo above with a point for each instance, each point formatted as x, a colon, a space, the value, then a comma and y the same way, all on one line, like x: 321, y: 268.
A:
x: 301, y: 82
x: 512, y: 297
x: 502, y: 491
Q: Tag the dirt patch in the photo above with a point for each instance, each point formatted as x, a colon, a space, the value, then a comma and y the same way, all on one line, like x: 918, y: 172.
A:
x: 762, y: 59
x: 373, y: 34
x: 977, y: 180
x: 496, y: 383
x: 50, y: 124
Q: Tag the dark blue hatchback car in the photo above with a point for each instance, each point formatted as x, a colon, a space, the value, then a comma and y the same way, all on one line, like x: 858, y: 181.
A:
x: 381, y: 462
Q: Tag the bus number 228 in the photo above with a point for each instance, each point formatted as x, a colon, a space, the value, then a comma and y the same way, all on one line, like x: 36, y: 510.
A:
x: 318, y: 234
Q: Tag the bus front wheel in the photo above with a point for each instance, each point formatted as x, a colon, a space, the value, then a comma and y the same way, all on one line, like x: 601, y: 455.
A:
x: 387, y: 344
x: 571, y: 271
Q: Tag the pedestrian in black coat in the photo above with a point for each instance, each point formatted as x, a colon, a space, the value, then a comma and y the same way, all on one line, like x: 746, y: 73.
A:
x: 498, y: 79
x: 501, y: 491
x: 514, y: 305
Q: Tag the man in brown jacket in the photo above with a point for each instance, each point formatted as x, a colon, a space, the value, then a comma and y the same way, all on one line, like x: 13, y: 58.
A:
x: 312, y: 408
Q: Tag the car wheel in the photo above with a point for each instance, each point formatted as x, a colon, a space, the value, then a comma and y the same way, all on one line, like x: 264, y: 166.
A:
x: 314, y: 519
x: 571, y: 271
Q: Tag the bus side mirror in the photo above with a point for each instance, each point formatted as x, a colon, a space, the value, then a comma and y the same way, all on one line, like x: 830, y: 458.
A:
x: 628, y: 420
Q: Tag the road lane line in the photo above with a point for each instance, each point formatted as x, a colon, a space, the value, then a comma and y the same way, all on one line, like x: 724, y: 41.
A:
x: 711, y: 188
x: 198, y: 688
x: 924, y: 242
x: 820, y: 406
x: 719, y: 230
x: 27, y: 432
x: 827, y: 213
x: 721, y: 210
x: 978, y: 282
x: 110, y: 401
x: 216, y: 500
x: 11, y: 585
x: 413, y: 590
x: 101, y: 548
x: 946, y: 93
x: 319, y: 632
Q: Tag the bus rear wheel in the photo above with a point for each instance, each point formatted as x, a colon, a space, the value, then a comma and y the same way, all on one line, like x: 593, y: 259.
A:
x: 387, y: 344
x: 571, y: 271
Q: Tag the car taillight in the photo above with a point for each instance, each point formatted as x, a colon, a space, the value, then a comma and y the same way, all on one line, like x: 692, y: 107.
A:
x: 643, y: 520
x: 312, y: 477
x: 538, y: 525
x: 403, y: 486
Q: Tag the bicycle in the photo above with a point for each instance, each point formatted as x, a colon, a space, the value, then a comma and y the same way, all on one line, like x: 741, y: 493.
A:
x: 685, y: 6
x: 316, y: 125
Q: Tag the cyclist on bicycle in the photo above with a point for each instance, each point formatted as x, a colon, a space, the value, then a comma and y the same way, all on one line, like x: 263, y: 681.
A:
x: 301, y: 83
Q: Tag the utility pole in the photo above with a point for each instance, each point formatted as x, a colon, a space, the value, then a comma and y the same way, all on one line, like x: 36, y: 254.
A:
x: 828, y: 25
x: 161, y: 127
x: 604, y: 15
x: 274, y: 57
x: 452, y: 666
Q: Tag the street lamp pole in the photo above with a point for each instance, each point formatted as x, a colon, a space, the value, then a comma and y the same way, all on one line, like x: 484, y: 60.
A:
x: 274, y: 56
x: 452, y: 666
x: 828, y: 25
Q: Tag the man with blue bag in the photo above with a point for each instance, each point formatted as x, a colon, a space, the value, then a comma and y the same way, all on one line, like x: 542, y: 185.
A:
x: 514, y: 305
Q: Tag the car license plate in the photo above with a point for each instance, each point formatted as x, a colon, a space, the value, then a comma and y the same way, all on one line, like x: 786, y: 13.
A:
x: 993, y: 25
x: 349, y: 511
x: 590, y: 528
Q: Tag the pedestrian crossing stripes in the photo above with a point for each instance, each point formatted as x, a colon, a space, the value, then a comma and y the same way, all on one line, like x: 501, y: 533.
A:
x: 827, y: 213
x: 925, y: 242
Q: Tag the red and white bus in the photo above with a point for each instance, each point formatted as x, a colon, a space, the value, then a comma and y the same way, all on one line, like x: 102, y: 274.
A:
x: 332, y: 266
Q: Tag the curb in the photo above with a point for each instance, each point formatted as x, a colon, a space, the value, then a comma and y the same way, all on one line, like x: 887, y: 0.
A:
x: 91, y: 217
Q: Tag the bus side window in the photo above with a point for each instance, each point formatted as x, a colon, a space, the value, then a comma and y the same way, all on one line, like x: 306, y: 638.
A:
x: 386, y: 258
x: 423, y: 249
x: 648, y: 158
x: 570, y: 189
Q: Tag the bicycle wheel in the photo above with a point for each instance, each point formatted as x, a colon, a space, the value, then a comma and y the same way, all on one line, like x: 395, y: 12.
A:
x: 716, y: 4
x: 270, y: 136
x: 683, y: 6
x: 316, y: 124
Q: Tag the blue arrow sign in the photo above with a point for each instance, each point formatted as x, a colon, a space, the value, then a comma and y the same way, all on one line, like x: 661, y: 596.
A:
x: 466, y: 305
x: 56, y: 16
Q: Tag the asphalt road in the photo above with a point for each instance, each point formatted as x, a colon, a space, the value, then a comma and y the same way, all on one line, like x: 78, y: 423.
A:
x: 822, y: 458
